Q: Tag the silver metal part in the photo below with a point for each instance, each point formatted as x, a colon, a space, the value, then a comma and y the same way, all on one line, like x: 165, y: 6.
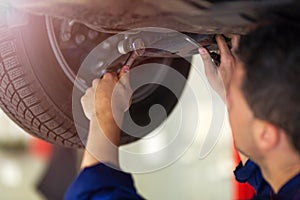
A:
x: 66, y: 30
x: 79, y: 39
x: 127, y: 45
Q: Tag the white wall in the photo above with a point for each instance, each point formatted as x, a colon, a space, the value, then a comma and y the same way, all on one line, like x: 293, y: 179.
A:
x: 189, y: 177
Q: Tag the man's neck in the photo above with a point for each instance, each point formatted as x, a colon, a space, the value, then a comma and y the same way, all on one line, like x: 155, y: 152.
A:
x: 278, y: 173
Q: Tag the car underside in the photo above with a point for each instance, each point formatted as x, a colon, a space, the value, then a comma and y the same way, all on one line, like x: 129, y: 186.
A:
x: 190, y: 16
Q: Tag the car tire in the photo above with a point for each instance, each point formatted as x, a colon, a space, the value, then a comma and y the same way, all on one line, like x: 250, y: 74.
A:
x: 34, y: 91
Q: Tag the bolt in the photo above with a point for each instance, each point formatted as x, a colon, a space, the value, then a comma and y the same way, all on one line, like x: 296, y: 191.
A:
x: 71, y: 22
x: 66, y: 29
x: 79, y: 39
x: 138, y: 44
x: 92, y: 34
x: 127, y: 45
x: 66, y: 37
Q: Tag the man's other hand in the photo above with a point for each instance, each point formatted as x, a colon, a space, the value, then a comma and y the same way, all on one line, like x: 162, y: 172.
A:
x: 219, y: 78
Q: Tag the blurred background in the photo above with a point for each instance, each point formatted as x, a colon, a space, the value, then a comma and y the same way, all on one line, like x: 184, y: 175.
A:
x: 23, y: 160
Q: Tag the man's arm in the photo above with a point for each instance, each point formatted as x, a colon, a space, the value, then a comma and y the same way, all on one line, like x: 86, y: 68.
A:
x: 97, y: 180
x: 104, y: 133
x: 220, y: 78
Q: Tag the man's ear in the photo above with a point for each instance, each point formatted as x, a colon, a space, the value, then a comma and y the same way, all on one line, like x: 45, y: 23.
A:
x: 266, y: 135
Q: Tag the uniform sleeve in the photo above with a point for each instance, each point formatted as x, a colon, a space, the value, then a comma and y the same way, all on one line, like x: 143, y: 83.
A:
x: 250, y: 173
x: 102, y: 182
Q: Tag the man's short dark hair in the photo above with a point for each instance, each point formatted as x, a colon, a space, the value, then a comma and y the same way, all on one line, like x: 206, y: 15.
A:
x: 271, y: 58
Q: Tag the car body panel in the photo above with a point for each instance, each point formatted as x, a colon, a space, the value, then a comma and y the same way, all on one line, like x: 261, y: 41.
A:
x: 194, y: 16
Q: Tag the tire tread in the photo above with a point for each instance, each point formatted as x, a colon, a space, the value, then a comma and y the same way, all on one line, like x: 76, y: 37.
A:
x: 23, y: 105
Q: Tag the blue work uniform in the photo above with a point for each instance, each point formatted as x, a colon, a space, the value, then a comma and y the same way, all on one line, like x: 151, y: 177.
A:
x: 250, y: 173
x: 102, y: 182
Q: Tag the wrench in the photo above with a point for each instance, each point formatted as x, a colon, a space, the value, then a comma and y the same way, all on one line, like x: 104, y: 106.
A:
x: 133, y: 57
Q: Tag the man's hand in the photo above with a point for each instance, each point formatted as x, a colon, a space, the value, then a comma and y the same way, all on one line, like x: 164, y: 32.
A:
x: 97, y: 99
x: 220, y: 78
x: 97, y: 106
